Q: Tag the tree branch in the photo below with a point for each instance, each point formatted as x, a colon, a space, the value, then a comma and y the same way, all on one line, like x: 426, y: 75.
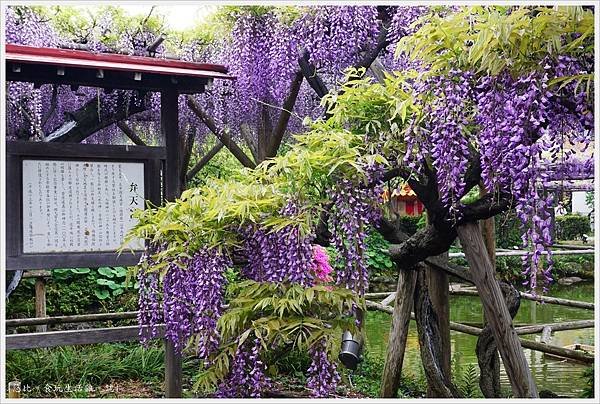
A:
x: 86, y: 121
x: 130, y: 133
x: 203, y: 161
x: 245, y: 132
x: 309, y: 71
x: 53, y: 102
x: 221, y: 135
x: 284, y: 116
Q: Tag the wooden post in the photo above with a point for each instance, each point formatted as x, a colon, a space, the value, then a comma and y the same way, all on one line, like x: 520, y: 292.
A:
x: 169, y: 123
x: 488, y: 228
x: 496, y: 312
x: 403, y: 303
x: 438, y: 284
x: 40, y: 300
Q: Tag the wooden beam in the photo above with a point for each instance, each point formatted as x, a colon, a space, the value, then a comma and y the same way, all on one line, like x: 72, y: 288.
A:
x: 79, y: 318
x: 284, y: 116
x: 74, y: 337
x: 221, y: 135
x: 204, y: 160
x: 535, y: 346
x: 130, y: 133
x: 40, y: 302
x: 399, y: 333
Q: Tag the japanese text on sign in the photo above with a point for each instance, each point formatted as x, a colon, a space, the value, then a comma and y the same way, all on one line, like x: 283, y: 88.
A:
x: 79, y: 206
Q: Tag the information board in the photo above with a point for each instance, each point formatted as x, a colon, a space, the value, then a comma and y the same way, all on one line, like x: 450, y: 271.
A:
x: 77, y: 206
x: 70, y: 205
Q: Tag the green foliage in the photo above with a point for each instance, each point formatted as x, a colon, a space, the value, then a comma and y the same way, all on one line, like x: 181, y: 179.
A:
x: 89, y: 364
x: 377, y: 252
x: 510, y: 268
x: 588, y: 375
x: 367, y: 379
x: 508, y: 233
x: 76, y: 291
x: 468, y: 383
x: 110, y: 281
x: 490, y: 39
x: 410, y: 224
x: 281, y: 316
x: 212, y: 214
x: 572, y: 226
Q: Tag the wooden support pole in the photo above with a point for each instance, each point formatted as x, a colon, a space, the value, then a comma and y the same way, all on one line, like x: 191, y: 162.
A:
x: 40, y: 302
x: 496, y: 312
x: 399, y: 333
x: 488, y: 229
x: 438, y: 294
x: 169, y: 121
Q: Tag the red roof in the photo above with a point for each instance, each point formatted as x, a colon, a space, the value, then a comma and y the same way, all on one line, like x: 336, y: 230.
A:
x: 111, y: 61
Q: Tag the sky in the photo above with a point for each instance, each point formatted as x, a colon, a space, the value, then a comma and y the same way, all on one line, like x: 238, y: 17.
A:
x: 177, y: 16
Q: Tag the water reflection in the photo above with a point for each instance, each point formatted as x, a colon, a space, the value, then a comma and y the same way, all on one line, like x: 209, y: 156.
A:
x: 559, y: 376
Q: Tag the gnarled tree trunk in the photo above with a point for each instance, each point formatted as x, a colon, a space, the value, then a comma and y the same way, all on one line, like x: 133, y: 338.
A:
x: 430, y: 342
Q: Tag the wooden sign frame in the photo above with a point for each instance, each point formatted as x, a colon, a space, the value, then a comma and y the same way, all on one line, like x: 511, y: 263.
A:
x: 153, y: 159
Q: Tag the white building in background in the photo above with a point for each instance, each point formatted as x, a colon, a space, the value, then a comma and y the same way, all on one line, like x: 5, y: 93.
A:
x: 578, y: 204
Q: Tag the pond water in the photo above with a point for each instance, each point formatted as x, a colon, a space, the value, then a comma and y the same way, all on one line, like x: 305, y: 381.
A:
x: 561, y: 377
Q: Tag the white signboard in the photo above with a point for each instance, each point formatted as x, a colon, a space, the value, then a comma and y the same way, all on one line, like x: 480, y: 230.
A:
x: 79, y: 206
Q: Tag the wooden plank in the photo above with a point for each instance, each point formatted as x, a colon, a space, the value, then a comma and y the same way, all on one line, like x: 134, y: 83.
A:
x: 562, y: 326
x: 46, y: 74
x: 74, y: 337
x: 84, y: 151
x: 518, y: 253
x: 72, y: 260
x: 496, y: 312
x: 79, y: 318
x: 438, y: 285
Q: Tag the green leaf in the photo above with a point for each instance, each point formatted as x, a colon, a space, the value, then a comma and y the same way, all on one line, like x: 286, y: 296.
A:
x: 106, y: 271
x: 101, y: 293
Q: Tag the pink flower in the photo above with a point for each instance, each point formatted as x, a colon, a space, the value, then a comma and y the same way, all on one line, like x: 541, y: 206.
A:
x: 321, y: 267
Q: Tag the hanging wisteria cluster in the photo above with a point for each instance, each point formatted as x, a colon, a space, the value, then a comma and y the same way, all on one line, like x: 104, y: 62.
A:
x: 322, y: 375
x: 246, y: 378
x: 354, y: 209
x: 285, y: 255
x: 192, y: 300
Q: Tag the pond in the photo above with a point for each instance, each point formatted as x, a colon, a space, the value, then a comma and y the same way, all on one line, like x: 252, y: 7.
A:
x: 561, y: 377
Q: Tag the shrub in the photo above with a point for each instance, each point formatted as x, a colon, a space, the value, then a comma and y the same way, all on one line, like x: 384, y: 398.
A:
x: 508, y: 233
x: 572, y: 227
x: 410, y: 224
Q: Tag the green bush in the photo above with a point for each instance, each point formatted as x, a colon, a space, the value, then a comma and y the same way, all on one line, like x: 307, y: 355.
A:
x: 377, y: 252
x: 410, y: 224
x: 366, y: 379
x: 572, y: 227
x: 76, y: 291
x: 508, y: 233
